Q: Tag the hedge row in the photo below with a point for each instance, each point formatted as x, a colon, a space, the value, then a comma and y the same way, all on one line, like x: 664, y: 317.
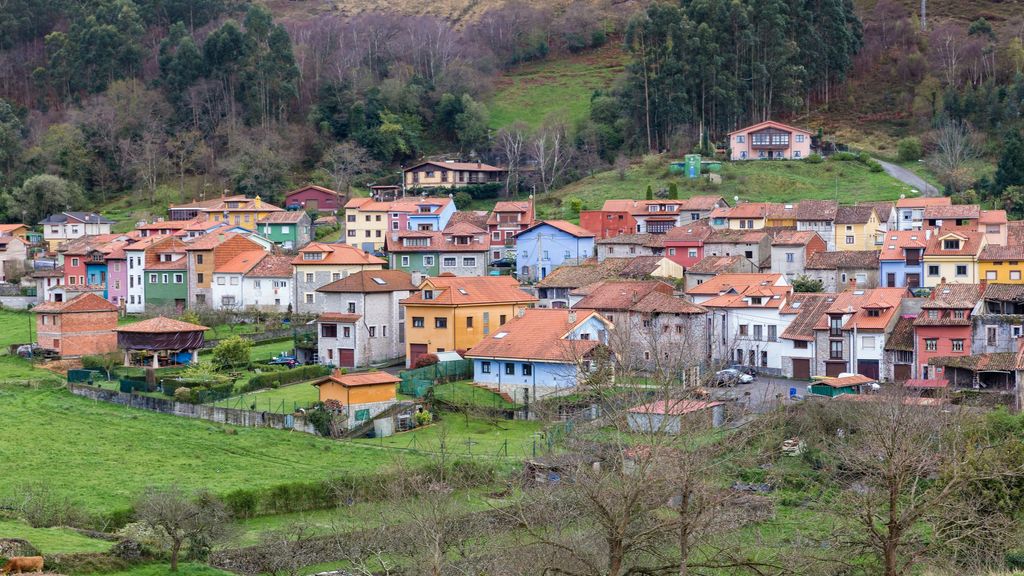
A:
x: 276, y: 379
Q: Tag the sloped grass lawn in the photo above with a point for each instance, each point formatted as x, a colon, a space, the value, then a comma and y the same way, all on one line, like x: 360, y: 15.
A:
x: 471, y: 437
x: 283, y: 400
x: 53, y: 540
x: 463, y: 393
x: 101, y: 456
x: 16, y: 326
x: 163, y: 569
x: 15, y: 368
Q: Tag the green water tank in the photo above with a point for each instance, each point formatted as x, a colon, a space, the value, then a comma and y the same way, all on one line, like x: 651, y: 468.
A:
x: 692, y: 165
x: 713, y: 166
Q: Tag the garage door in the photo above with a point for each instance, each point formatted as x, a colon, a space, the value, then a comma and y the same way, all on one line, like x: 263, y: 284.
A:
x: 802, y: 368
x: 415, y: 351
x: 901, y: 372
x: 346, y: 357
x: 868, y: 368
x: 834, y: 368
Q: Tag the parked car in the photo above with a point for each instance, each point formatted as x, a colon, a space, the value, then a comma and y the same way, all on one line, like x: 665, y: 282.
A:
x: 749, y: 370
x: 731, y: 377
x: 503, y: 263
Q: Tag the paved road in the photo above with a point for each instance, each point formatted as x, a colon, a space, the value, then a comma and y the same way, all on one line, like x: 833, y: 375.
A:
x: 762, y: 394
x: 909, y: 178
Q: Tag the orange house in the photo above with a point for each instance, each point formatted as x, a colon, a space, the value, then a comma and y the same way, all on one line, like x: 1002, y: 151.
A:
x: 363, y: 395
x: 81, y: 326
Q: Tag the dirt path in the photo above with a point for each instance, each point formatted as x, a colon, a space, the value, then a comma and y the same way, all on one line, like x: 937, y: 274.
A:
x: 907, y: 177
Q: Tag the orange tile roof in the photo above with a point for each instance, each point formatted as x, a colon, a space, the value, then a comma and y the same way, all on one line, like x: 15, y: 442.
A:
x: 87, y: 302
x: 715, y: 264
x: 993, y: 252
x: 463, y: 229
x: 970, y: 242
x: 469, y: 290
x: 692, y: 232
x: 340, y: 254
x: 438, y: 242
x: 241, y: 263
x: 895, y: 242
x: 539, y: 334
x: 370, y: 281
x: 992, y: 217
x: 272, y: 266
x: 409, y: 204
x: 724, y: 282
x: 923, y: 202
x: 359, y: 379
x: 952, y: 212
x: 10, y: 228
x: 567, y: 227
x: 771, y: 297
x: 621, y: 294
x: 808, y: 307
x: 161, y: 325
x: 852, y: 303
x: 211, y: 241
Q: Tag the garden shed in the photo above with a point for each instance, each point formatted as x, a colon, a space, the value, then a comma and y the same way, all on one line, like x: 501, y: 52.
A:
x: 363, y: 395
x: 667, y: 416
x: 163, y: 339
x: 838, y: 386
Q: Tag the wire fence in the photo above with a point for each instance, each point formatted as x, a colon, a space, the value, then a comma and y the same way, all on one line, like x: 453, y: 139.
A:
x: 263, y: 403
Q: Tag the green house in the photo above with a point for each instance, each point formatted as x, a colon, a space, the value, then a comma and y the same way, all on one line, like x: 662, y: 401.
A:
x: 460, y: 250
x: 167, y: 284
x: 832, y: 387
x: 291, y: 230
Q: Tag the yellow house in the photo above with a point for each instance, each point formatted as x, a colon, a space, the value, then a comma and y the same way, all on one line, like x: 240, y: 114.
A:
x: 19, y: 231
x: 745, y: 216
x: 240, y: 211
x: 359, y: 397
x: 952, y: 256
x: 780, y: 216
x: 857, y: 228
x: 369, y: 222
x: 1001, y: 264
x: 456, y: 312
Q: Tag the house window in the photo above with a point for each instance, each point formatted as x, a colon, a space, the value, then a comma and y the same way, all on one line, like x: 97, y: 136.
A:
x: 373, y: 331
x: 990, y: 335
x: 417, y: 322
x: 743, y: 329
x: 448, y: 262
x: 764, y: 358
x: 405, y: 261
x: 440, y: 322
x: 958, y: 345
x: 428, y: 260
x: 961, y: 270
x: 835, y: 327
x: 165, y: 278
x: 496, y: 236
x: 501, y: 320
x: 800, y: 344
x: 789, y: 256
x: 485, y: 367
x: 692, y: 253
x: 309, y: 276
x: 179, y: 278
x: 757, y: 331
x: 958, y: 314
x: 329, y: 330
x: 835, y: 349
x: 469, y: 262
x: 346, y: 331
x: 931, y: 344
x: 234, y: 280
x: 773, y: 333
x: 1014, y: 274
x: 309, y: 297
x: 740, y: 138
x: 200, y: 277
x: 469, y: 321
x: 800, y: 138
x: 152, y: 279
x: 510, y: 369
x: 796, y: 153
x: 950, y: 244
x: 991, y: 275
x: 933, y: 270
x: 74, y: 262
x: 527, y: 369
x: 867, y: 342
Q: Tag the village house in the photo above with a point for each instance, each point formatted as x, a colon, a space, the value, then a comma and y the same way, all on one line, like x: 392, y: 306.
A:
x: 365, y: 324
x: 368, y: 223
x: 998, y: 319
x: 837, y: 270
x: 318, y: 264
x: 732, y: 283
x: 780, y: 216
x: 800, y: 313
x: 850, y: 336
x: 769, y: 140
x: 461, y: 249
x: 818, y: 216
x: 901, y: 259
x: 80, y: 326
x: 208, y: 252
x: 745, y: 216
x: 49, y: 284
x: 290, y: 230
x: 313, y: 198
x: 161, y: 227
x: 952, y: 255
x: 452, y: 313
x: 165, y: 269
x: 685, y: 244
x: 362, y: 396
x: 712, y: 266
x: 886, y: 212
x: 995, y: 226
x: 239, y: 211
x: 944, y: 326
x: 898, y: 352
x: 59, y: 228
x: 952, y: 216
x: 1002, y: 264
x: 549, y: 244
x: 746, y: 322
x: 13, y: 255
x: 504, y: 222
x: 655, y: 330
x: 253, y: 279
x: 135, y: 254
x: 617, y: 217
x: 17, y: 230
x: 791, y: 250
x: 857, y: 228
x: 910, y: 211
x: 540, y: 352
x: 630, y: 245
x: 754, y: 245
x: 559, y: 289
x: 449, y: 174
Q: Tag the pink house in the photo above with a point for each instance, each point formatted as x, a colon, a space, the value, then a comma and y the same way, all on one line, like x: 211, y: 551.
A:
x: 117, y: 276
x: 769, y: 141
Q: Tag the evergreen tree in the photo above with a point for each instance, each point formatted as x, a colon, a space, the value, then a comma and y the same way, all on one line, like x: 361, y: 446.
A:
x: 673, y: 191
x: 650, y: 193
x: 1010, y: 170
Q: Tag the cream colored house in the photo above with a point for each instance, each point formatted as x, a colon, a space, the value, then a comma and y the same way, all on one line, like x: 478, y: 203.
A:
x: 452, y: 174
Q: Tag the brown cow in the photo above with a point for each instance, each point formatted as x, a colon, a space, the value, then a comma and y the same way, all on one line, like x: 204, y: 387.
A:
x: 19, y: 564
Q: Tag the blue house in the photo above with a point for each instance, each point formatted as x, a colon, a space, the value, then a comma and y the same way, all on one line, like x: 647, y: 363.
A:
x: 541, y: 352
x: 901, y: 260
x: 549, y: 244
x: 431, y: 214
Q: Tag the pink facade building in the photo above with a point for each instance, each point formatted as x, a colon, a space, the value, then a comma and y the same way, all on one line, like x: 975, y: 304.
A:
x: 769, y: 141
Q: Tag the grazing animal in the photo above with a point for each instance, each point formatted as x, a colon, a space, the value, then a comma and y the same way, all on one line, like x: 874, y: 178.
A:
x: 19, y: 564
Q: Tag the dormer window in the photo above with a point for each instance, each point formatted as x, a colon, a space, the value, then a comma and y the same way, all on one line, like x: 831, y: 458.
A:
x: 951, y: 244
x: 756, y: 300
x: 874, y: 313
x: 933, y: 314
x: 416, y: 241
x: 313, y: 256
x: 958, y: 314
x: 428, y: 294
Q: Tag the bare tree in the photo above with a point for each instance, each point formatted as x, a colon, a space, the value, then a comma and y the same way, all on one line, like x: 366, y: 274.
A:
x: 621, y: 166
x: 146, y: 154
x: 186, y: 150
x: 285, y: 552
x: 551, y: 152
x: 345, y: 161
x: 198, y: 521
x: 954, y: 147
x: 511, y: 143
x: 946, y: 44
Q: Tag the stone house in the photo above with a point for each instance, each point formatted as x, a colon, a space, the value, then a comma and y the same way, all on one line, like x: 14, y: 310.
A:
x: 839, y: 270
x: 791, y: 249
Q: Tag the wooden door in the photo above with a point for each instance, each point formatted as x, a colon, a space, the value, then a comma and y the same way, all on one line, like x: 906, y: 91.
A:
x: 868, y: 368
x: 415, y: 351
x: 801, y: 368
x: 901, y: 372
x: 346, y: 357
x: 890, y: 280
x: 834, y: 368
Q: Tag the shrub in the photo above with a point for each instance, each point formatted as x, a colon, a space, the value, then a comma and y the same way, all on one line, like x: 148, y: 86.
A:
x: 575, y: 205
x: 241, y: 503
x: 863, y: 158
x: 426, y: 360
x: 232, y: 352
x: 874, y: 166
x: 325, y: 231
x: 183, y: 394
x: 284, y: 377
x: 909, y: 149
x: 814, y: 159
x: 462, y: 199
x: 423, y: 418
x: 843, y: 157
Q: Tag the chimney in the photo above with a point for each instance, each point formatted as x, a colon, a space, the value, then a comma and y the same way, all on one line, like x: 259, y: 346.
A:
x: 634, y: 298
x: 521, y: 311
x: 417, y: 278
x: 984, y: 285
x: 572, y: 316
x: 853, y: 283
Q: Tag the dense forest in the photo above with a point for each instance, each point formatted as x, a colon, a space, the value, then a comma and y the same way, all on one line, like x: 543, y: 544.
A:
x: 188, y: 97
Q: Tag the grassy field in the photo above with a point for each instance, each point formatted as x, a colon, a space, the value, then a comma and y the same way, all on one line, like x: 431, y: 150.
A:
x: 558, y: 88
x: 53, y: 540
x: 752, y: 181
x: 119, y: 451
x: 284, y: 400
x: 475, y: 437
x: 162, y: 569
x: 463, y: 393
x: 16, y: 327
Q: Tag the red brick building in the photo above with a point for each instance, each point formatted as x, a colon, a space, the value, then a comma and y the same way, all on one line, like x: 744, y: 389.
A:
x: 943, y: 328
x: 83, y: 325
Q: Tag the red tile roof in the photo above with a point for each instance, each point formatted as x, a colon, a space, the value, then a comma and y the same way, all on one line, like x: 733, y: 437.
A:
x: 817, y: 210
x: 902, y: 336
x: 166, y: 225
x: 661, y: 303
x: 87, y: 302
x: 272, y: 266
x: 621, y: 294
x: 692, y: 232
x: 895, y: 242
x: 567, y: 227
x: 370, y: 281
x: 729, y: 236
x: 715, y: 264
x: 859, y: 214
x: 438, y: 242
x: 723, y: 282
x: 539, y: 334
x: 339, y: 317
x: 359, y: 379
x: 926, y: 383
x: 970, y: 242
x: 993, y: 252
x: 469, y: 290
x: 770, y: 124
x: 809, y: 308
x: 992, y: 217
x: 852, y: 303
x: 771, y: 297
x: 952, y: 212
x: 923, y: 202
x: 339, y: 254
x: 794, y: 238
x: 859, y: 259
x: 161, y: 325
x: 242, y: 263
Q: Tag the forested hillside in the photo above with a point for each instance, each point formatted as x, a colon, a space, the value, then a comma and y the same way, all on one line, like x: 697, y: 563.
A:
x: 171, y: 100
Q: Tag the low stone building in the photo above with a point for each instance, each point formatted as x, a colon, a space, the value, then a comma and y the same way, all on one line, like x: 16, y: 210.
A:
x: 80, y: 326
x: 839, y: 270
x: 711, y: 266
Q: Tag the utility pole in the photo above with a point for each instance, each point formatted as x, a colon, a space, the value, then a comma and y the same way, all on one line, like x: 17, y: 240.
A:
x: 924, y: 15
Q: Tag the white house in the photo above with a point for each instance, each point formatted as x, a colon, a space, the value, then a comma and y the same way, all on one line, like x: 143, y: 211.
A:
x: 58, y: 228
x: 746, y: 323
x: 228, y: 288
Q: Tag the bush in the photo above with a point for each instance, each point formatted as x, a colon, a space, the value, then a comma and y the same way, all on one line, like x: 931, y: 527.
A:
x: 325, y: 231
x: 482, y: 191
x: 863, y: 158
x: 814, y: 159
x: 909, y: 149
x: 284, y: 377
x: 462, y: 199
x: 426, y: 360
x: 423, y: 418
x: 575, y: 205
x: 843, y: 157
x: 874, y: 166
x: 183, y: 394
x: 232, y: 352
